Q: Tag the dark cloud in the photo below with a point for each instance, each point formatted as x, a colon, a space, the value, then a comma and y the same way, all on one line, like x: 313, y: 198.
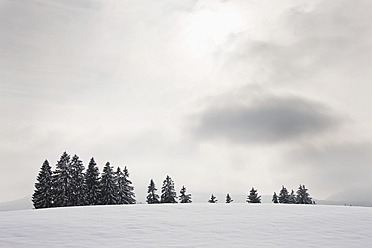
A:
x: 269, y: 120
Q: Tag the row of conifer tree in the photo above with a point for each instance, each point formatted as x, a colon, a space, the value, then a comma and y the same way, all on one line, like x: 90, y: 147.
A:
x: 69, y: 185
x: 253, y: 197
x: 301, y: 197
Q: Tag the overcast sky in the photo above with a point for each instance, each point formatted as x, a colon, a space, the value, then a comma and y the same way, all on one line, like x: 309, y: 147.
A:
x: 220, y: 95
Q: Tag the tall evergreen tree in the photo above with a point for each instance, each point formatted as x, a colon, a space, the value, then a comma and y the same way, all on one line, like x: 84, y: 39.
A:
x: 168, y: 194
x: 152, y: 197
x: 43, y: 194
x: 302, y: 196
x: 213, y: 199
x: 79, y: 189
x: 184, y: 198
x: 253, y: 197
x: 121, y: 187
x: 108, y: 186
x: 228, y: 199
x: 129, y: 196
x: 92, y: 181
x: 283, y: 195
x: 275, y: 198
x: 62, y: 189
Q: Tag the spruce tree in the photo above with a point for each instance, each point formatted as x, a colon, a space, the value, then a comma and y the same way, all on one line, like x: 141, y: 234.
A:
x: 283, y: 195
x: 253, y: 197
x: 302, y: 196
x: 275, y: 198
x: 129, y: 196
x: 92, y: 181
x: 168, y: 194
x: 43, y: 194
x: 120, y: 183
x: 108, y: 186
x: 292, y: 198
x: 62, y: 189
x: 152, y: 197
x: 228, y: 199
x: 184, y: 198
x: 79, y: 189
x: 213, y: 199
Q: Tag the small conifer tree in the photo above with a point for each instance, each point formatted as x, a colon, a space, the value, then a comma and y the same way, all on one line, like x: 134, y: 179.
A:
x: 228, y: 199
x: 152, y: 197
x: 92, y: 181
x: 43, y: 194
x: 283, y: 195
x: 302, y: 196
x: 213, y: 199
x: 292, y: 198
x: 275, y: 198
x: 184, y: 198
x: 253, y: 197
x: 168, y: 193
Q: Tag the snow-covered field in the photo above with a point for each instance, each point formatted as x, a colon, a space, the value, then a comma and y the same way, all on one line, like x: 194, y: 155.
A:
x: 189, y: 225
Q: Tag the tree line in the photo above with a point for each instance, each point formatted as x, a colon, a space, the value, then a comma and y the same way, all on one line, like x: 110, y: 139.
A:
x: 69, y: 185
x: 301, y: 196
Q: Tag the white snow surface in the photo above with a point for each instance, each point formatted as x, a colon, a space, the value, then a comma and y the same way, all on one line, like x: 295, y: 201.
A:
x: 189, y: 225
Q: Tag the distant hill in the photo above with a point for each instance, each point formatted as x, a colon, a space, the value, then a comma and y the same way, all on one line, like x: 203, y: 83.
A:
x: 20, y: 204
x: 361, y: 196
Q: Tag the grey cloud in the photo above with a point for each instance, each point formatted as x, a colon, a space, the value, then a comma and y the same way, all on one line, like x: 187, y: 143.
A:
x: 269, y: 120
x: 335, y: 35
x: 327, y: 45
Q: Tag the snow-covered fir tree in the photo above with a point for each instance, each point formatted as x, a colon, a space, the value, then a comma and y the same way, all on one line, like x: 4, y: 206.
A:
x: 302, y: 196
x: 228, y: 198
x: 184, y: 198
x: 275, y: 198
x: 125, y: 188
x: 213, y: 199
x: 283, y: 195
x: 79, y: 189
x: 168, y: 194
x: 120, y: 183
x: 129, y: 196
x: 43, y: 194
x: 62, y: 189
x: 152, y: 197
x: 108, y: 188
x: 292, y: 198
x: 253, y: 196
x: 92, y: 181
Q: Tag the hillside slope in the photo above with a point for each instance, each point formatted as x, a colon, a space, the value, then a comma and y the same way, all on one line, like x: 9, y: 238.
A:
x: 20, y: 204
x: 191, y: 225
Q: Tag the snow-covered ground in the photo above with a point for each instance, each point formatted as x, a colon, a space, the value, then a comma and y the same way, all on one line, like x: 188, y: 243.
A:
x: 189, y: 225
